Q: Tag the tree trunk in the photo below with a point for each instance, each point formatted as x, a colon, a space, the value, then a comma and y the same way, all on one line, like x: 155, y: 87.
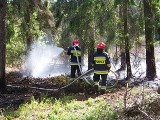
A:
x: 125, y: 16
x: 115, y: 57
x: 92, y: 34
x: 150, y: 58
x: 122, y: 50
x: 123, y: 57
x: 28, y: 33
x: 3, y: 5
x: 158, y: 33
x: 90, y: 52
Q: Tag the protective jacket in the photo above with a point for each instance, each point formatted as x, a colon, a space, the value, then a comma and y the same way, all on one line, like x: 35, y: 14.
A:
x: 71, y: 51
x: 101, y: 62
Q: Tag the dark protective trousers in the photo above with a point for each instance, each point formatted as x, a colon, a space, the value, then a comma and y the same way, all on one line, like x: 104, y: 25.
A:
x: 74, y: 69
x: 96, y: 78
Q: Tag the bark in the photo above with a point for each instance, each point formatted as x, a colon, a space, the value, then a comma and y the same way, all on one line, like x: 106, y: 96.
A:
x: 3, y: 4
x: 125, y: 12
x: 92, y: 34
x: 28, y: 33
x: 90, y: 54
x: 150, y: 58
x: 115, y: 57
x: 123, y: 57
x: 122, y: 48
x: 158, y: 32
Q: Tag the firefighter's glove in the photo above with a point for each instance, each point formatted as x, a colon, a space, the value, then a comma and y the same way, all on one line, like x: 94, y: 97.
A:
x: 66, y: 49
x: 92, y: 65
x: 76, y: 45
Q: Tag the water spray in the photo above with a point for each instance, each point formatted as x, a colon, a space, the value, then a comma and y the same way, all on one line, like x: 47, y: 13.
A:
x: 42, y: 61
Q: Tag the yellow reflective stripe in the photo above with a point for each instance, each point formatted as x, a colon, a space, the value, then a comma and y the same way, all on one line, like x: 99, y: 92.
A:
x: 109, y: 65
x: 100, y: 61
x: 100, y: 72
x: 74, y: 63
x: 74, y: 52
x: 99, y: 58
x: 103, y: 87
x: 96, y: 83
x: 79, y: 53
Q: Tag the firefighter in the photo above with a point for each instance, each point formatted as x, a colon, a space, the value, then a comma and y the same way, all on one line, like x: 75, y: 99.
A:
x: 101, y: 65
x: 75, y: 52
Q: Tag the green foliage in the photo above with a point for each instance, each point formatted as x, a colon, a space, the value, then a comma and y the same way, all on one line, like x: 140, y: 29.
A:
x: 118, y: 2
x: 156, y: 12
x: 18, y: 30
x: 89, y: 110
x: 66, y: 108
x: 14, y: 50
x: 82, y: 18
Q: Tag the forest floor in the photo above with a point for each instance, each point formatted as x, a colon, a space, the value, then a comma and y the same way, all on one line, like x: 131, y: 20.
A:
x: 132, y: 98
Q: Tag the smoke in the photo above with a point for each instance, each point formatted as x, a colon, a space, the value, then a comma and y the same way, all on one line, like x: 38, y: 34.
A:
x: 44, y: 60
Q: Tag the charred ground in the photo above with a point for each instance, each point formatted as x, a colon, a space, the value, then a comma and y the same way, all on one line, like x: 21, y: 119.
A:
x: 21, y: 89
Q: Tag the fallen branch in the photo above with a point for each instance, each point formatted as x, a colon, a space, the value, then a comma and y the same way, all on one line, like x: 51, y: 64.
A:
x: 37, y: 88
x: 145, y: 114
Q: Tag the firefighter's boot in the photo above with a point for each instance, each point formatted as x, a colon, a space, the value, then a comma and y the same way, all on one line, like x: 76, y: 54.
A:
x: 103, y: 90
x: 96, y: 86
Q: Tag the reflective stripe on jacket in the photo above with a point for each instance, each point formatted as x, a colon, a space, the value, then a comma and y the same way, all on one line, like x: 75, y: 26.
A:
x: 101, y: 63
x: 72, y: 63
x: 71, y: 51
x: 100, y: 72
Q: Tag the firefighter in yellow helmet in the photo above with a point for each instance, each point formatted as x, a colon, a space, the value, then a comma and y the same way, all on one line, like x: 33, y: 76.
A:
x: 101, y: 65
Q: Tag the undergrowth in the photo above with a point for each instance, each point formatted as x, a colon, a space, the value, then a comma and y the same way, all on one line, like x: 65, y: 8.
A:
x: 66, y: 108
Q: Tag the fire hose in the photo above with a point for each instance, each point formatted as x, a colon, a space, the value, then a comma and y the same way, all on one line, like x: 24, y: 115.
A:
x: 57, y: 89
x: 81, y: 76
x: 81, y: 68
